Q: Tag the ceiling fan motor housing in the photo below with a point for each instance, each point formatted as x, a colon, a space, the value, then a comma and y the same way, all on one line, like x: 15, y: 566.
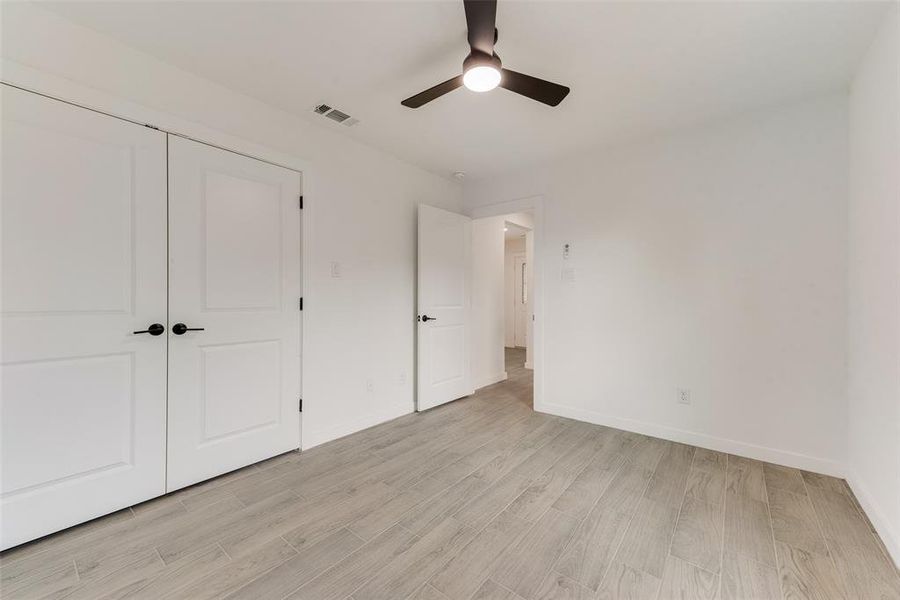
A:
x: 480, y: 59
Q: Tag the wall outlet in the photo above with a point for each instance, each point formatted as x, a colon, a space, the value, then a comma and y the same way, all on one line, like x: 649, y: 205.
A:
x: 336, y: 270
x: 370, y: 386
x: 683, y: 396
x: 402, y: 378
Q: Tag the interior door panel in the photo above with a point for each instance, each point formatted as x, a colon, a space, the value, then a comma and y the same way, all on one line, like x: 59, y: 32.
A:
x: 234, y: 277
x: 83, y: 403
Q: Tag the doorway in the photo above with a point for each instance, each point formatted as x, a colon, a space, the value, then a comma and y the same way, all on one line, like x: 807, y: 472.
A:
x: 462, y: 306
x: 502, y: 315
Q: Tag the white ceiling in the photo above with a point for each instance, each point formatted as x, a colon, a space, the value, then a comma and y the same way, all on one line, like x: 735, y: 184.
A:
x: 635, y: 68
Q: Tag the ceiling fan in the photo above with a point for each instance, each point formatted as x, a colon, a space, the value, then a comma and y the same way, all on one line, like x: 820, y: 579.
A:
x: 482, y: 70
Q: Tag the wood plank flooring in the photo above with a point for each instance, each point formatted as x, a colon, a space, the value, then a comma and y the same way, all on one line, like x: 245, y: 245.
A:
x: 479, y: 499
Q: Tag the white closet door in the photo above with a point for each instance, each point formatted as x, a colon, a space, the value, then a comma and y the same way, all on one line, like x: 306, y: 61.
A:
x: 83, y: 403
x: 234, y: 280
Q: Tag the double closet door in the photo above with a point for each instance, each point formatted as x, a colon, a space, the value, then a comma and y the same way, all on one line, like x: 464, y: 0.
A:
x: 150, y: 331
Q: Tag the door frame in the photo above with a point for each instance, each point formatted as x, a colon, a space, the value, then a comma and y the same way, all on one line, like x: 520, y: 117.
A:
x: 59, y: 88
x: 536, y: 287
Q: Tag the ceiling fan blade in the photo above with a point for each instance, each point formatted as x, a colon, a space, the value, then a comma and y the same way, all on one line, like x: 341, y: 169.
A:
x: 534, y: 88
x: 481, y: 19
x: 433, y: 93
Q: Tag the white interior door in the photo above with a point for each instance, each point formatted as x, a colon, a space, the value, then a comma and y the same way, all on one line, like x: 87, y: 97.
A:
x: 234, y: 280
x: 520, y: 300
x: 83, y: 402
x: 444, y: 299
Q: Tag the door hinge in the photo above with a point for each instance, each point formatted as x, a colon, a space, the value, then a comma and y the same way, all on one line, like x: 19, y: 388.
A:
x: 301, y: 303
x: 301, y: 404
x: 301, y: 202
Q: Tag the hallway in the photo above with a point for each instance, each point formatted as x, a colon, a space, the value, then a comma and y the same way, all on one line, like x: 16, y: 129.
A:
x: 519, y: 382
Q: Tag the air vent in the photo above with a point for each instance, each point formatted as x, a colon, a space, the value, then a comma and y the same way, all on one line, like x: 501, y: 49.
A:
x: 335, y: 115
x: 338, y: 116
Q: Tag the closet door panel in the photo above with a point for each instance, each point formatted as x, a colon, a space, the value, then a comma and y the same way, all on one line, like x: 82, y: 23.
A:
x: 234, y: 272
x: 82, y: 409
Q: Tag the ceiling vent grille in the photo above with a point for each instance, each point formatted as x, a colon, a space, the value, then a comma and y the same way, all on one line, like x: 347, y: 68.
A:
x: 338, y: 116
x: 335, y: 115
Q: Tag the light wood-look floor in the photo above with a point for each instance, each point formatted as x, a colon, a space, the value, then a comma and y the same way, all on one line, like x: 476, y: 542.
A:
x: 478, y: 499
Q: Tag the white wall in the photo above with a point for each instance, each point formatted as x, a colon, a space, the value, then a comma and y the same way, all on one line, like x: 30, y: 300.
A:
x: 488, y: 295
x: 874, y: 273
x: 712, y: 259
x: 361, y: 207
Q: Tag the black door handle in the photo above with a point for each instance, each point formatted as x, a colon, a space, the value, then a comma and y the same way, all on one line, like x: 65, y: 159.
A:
x: 155, y: 329
x: 181, y: 328
x: 426, y: 318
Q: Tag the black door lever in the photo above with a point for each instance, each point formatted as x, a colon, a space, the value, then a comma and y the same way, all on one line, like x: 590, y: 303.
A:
x: 426, y: 318
x: 181, y: 328
x: 155, y: 329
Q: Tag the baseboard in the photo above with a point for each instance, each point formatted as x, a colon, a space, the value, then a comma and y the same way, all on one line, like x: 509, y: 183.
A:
x: 772, y: 455
x: 888, y: 531
x: 490, y: 380
x: 310, y: 439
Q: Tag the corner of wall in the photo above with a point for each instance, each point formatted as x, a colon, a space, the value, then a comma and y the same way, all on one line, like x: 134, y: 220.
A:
x: 730, y: 446
x: 887, y: 530
x: 311, y: 439
x: 490, y: 380
x: 873, y: 316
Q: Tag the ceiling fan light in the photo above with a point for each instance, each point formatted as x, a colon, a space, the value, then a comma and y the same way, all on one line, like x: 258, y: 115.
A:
x: 482, y: 78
